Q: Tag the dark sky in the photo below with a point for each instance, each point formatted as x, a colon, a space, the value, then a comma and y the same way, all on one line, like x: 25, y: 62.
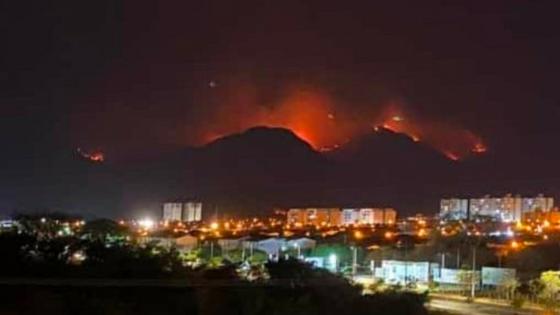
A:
x: 132, y: 78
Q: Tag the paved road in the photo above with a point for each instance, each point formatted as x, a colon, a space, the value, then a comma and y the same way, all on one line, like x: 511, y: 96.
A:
x: 460, y: 307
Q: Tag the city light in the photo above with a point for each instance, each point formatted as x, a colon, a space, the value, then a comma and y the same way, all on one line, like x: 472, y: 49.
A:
x: 358, y: 235
x: 146, y: 223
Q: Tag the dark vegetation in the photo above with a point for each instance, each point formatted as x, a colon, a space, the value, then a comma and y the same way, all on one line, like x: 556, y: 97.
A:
x: 109, y: 281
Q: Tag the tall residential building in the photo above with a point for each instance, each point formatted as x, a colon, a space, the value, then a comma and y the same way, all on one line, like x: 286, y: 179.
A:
x: 540, y: 203
x: 314, y: 216
x: 378, y: 216
x: 192, y: 211
x: 172, y: 211
x: 507, y: 208
x: 350, y: 216
x: 366, y: 216
x: 390, y: 216
x: 336, y: 217
x: 297, y: 217
x: 369, y: 216
x: 182, y: 211
x: 454, y: 209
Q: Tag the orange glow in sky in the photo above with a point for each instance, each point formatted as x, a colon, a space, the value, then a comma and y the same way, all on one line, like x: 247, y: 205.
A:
x: 317, y: 118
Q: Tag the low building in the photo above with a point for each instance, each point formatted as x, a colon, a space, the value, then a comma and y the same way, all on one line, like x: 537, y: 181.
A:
x: 186, y: 243
x: 271, y: 246
x: 401, y: 272
x: 183, y: 243
x: 302, y: 243
x: 228, y: 244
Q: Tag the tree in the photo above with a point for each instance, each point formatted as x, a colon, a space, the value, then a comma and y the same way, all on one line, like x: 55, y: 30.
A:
x: 343, y: 253
x: 104, y: 228
x: 551, y: 287
x: 509, y: 285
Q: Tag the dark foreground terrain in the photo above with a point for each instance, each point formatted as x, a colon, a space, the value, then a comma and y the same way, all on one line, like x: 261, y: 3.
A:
x: 244, y: 299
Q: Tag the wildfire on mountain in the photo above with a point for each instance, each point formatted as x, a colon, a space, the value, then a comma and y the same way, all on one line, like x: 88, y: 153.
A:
x: 95, y: 156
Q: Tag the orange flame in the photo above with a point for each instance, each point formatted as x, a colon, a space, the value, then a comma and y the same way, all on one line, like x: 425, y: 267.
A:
x: 312, y: 115
x: 97, y: 156
x: 454, y: 142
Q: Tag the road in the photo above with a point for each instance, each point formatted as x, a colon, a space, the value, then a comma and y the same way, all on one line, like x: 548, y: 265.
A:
x: 462, y: 307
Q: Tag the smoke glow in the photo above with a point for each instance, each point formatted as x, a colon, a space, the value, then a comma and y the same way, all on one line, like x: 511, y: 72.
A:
x: 453, y: 141
x: 324, y: 123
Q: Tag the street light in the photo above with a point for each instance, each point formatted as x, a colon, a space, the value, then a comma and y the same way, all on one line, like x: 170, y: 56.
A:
x: 354, y: 261
x: 332, y: 260
x: 298, y: 248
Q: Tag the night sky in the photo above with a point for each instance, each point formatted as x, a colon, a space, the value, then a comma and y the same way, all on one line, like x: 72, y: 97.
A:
x: 138, y: 79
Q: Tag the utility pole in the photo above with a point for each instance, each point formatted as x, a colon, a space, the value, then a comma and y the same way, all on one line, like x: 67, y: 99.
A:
x: 442, y: 260
x: 473, y: 284
x: 354, y: 261
x: 405, y: 267
x: 458, y: 258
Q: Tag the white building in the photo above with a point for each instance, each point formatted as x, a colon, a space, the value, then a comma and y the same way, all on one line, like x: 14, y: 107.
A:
x: 401, y: 272
x: 172, y: 211
x: 302, y: 243
x: 369, y: 216
x: 350, y: 216
x: 454, y: 209
x: 271, y: 246
x: 366, y: 216
x: 540, y: 203
x: 192, y: 211
x: 507, y: 208
x: 182, y: 211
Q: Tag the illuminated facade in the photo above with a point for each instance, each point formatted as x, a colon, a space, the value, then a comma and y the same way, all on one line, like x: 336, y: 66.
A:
x: 314, y: 216
x: 350, y: 216
x: 390, y: 216
x: 507, y: 208
x: 369, y: 216
x: 192, y: 211
x: 182, y: 211
x: 454, y: 209
x: 172, y: 211
x: 296, y: 217
x: 300, y: 217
